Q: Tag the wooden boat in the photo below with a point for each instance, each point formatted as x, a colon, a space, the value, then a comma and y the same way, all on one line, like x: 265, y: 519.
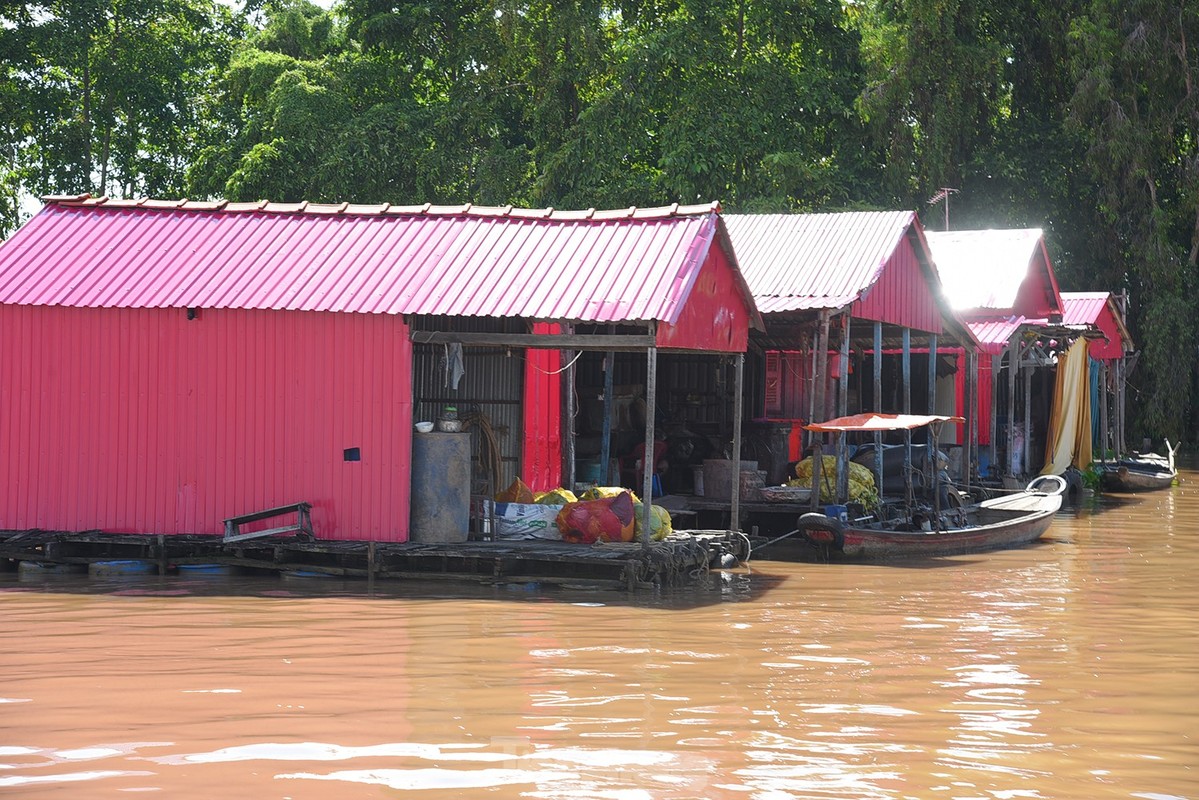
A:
x: 1141, y: 473
x: 918, y: 530
x: 1001, y: 522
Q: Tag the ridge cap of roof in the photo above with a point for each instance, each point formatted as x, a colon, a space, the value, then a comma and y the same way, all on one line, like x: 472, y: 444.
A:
x: 304, y: 207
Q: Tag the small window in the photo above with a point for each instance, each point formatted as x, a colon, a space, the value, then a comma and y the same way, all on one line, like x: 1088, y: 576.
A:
x: 352, y: 454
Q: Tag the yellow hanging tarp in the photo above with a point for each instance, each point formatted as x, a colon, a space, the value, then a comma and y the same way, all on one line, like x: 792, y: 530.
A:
x: 1069, y: 440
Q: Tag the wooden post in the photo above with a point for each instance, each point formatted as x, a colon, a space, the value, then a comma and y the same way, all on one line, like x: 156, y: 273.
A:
x: 907, y: 409
x: 568, y: 415
x: 972, y: 412
x: 1026, y: 373
x: 842, y: 410
x: 648, y: 462
x: 996, y: 366
x: 810, y: 436
x: 817, y: 467
x: 1103, y: 429
x: 1121, y: 407
x: 738, y: 411
x: 1013, y: 364
x: 932, y: 406
x: 606, y: 440
x: 821, y: 376
x: 878, y: 404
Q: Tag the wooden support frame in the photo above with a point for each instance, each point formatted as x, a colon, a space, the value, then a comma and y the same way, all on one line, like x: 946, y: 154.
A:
x: 302, y: 525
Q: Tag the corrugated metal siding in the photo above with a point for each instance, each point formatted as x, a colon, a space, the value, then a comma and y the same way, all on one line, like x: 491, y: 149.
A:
x: 800, y: 261
x: 616, y: 266
x: 794, y: 380
x: 709, y: 321
x: 902, y: 295
x: 140, y: 421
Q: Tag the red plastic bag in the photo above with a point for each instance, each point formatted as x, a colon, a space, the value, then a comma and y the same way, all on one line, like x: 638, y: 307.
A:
x: 608, y: 519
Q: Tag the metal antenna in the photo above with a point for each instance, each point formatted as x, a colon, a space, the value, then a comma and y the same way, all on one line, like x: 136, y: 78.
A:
x: 943, y: 194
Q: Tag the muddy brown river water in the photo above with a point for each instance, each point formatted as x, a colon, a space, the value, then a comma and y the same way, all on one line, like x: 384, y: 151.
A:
x: 1069, y: 669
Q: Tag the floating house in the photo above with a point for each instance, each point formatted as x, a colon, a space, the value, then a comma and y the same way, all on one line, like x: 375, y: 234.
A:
x: 1002, y: 282
x: 167, y: 365
x: 1112, y: 351
x: 855, y: 317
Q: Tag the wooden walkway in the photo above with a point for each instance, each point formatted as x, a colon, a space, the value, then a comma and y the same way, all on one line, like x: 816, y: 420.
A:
x: 681, y: 559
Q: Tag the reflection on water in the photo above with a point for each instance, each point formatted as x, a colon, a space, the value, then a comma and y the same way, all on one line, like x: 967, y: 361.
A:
x: 1062, y: 670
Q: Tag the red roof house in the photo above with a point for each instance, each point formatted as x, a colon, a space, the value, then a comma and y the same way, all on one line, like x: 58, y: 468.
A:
x: 165, y: 365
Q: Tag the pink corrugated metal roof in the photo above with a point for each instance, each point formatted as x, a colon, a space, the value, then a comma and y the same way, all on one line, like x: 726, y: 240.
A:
x: 796, y: 262
x: 993, y: 335
x: 602, y: 266
x: 984, y: 268
x: 1083, y: 308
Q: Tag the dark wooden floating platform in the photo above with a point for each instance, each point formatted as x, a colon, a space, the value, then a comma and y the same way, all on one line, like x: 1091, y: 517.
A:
x: 681, y: 559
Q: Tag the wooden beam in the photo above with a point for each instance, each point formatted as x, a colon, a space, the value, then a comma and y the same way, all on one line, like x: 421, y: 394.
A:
x: 539, y: 341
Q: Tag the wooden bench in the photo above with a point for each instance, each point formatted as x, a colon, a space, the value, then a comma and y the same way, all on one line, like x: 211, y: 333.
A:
x: 302, y: 525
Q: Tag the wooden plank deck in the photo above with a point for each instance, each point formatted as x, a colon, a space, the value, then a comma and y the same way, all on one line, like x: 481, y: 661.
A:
x: 683, y: 558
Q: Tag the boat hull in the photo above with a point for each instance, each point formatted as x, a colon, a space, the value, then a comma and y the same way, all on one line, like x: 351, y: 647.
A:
x: 1004, y: 522
x: 873, y: 545
x: 1132, y: 479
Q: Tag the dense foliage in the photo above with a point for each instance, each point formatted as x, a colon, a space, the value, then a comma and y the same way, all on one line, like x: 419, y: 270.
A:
x: 1078, y: 116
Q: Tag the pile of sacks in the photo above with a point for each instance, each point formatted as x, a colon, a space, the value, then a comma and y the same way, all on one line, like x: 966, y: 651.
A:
x: 600, y: 514
x: 861, y: 481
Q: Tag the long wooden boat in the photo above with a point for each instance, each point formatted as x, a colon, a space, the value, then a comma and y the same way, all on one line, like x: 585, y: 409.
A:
x: 1141, y: 473
x: 1001, y: 522
x: 920, y: 531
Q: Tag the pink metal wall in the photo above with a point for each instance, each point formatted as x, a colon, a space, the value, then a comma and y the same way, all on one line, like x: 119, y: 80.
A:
x: 141, y: 421
x: 717, y: 314
x: 903, y: 295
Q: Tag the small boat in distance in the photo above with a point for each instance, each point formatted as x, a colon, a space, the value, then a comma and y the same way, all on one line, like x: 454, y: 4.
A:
x: 1140, y: 473
x: 916, y: 530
